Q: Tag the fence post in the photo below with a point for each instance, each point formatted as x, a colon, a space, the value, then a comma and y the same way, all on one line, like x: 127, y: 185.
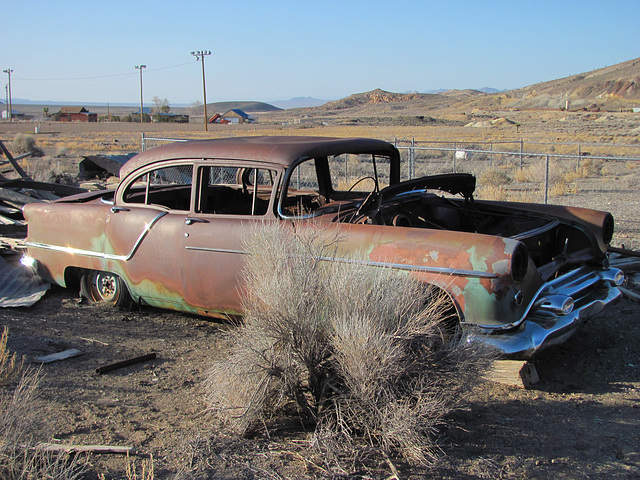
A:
x: 546, y: 180
x: 142, y: 145
x: 491, y: 154
x: 455, y: 148
x: 412, y: 159
x: 346, y: 171
x: 578, y: 160
x: 521, y: 150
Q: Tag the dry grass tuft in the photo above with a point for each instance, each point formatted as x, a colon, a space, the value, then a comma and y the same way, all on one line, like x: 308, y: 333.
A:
x: 146, y: 469
x: 363, y: 352
x: 10, y: 366
x: 22, y: 420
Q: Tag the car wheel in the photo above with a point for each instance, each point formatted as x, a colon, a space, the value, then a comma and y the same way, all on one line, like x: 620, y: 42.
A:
x: 105, y: 287
x: 448, y: 328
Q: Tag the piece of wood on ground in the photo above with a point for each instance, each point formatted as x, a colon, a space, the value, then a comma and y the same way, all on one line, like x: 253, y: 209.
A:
x: 629, y: 294
x: 517, y: 373
x: 54, y: 357
x: 56, y: 447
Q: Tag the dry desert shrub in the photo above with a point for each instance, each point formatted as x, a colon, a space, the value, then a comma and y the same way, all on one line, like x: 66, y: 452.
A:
x: 368, y: 354
x: 493, y: 177
x: 46, y: 169
x: 25, y: 144
x: 493, y: 192
x: 22, y: 421
x: 632, y: 165
x: 589, y: 167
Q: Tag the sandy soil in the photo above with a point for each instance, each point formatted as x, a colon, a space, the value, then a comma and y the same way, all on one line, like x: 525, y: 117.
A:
x: 582, y: 420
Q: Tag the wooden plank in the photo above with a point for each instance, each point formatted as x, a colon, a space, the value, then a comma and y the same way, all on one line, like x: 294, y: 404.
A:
x: 56, y: 447
x: 54, y: 357
x: 15, y: 165
x: 629, y: 294
x: 59, y: 190
x: 517, y: 373
x: 20, y: 198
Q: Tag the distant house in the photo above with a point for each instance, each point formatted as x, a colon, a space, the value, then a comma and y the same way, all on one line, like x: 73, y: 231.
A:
x: 15, y: 115
x: 163, y: 117
x: 217, y: 118
x: 75, y: 114
x: 145, y: 111
x: 235, y: 115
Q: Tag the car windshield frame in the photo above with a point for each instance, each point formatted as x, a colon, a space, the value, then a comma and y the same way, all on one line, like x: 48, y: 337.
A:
x: 325, y: 178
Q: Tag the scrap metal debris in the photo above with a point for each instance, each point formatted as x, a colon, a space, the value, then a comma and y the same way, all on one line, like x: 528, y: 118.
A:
x: 55, y: 357
x: 19, y: 286
x: 16, y: 192
x: 102, y: 166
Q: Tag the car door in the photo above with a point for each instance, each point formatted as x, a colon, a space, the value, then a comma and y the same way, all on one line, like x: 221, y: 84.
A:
x: 229, y: 202
x: 144, y: 232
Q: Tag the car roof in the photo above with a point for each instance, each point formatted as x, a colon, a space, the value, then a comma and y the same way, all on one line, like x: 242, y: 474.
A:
x: 278, y: 150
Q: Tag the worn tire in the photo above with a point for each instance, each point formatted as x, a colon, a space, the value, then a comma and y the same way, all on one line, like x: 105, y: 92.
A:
x: 105, y: 287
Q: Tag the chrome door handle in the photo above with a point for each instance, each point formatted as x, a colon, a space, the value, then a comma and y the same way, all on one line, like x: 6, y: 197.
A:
x: 192, y: 220
x: 119, y: 209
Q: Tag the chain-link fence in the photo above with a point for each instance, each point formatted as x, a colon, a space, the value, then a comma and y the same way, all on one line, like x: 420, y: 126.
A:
x: 508, y: 171
x: 505, y: 170
x: 604, y: 176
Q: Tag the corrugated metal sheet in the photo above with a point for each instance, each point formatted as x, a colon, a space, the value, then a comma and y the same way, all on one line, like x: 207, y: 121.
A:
x: 19, y: 286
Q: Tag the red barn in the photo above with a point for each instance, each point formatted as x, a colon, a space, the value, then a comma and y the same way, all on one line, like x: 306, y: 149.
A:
x: 76, y: 114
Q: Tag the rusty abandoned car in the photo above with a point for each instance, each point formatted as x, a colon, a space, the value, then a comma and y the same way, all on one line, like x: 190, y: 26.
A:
x: 171, y: 234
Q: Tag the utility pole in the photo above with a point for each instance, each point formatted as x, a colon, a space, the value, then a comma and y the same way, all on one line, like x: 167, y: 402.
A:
x: 8, y: 71
x: 141, y: 67
x: 200, y: 54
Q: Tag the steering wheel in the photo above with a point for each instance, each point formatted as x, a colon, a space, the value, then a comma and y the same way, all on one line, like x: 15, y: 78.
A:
x: 361, y: 180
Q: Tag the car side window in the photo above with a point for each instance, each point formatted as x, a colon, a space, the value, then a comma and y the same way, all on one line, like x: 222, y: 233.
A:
x: 168, y: 187
x: 303, y: 194
x: 231, y: 190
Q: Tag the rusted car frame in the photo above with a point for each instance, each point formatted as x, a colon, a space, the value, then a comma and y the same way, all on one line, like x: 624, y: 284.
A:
x: 171, y: 234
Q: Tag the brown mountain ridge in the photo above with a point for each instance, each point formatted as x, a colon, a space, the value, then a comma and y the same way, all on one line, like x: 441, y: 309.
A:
x: 611, y: 88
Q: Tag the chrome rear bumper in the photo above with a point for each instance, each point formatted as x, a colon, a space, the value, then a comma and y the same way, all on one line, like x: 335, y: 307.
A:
x: 546, y: 324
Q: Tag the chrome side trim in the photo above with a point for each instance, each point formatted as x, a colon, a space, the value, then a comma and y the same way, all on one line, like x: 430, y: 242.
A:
x: 217, y: 250
x: 395, y: 266
x: 92, y: 253
x: 414, y: 268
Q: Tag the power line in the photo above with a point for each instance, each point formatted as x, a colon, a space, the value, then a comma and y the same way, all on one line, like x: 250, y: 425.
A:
x: 99, y: 76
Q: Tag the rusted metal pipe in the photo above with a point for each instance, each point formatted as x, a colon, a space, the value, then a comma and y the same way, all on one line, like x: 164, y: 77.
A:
x: 125, y: 363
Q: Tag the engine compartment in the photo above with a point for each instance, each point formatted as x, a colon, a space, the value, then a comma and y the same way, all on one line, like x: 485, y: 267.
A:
x: 549, y: 241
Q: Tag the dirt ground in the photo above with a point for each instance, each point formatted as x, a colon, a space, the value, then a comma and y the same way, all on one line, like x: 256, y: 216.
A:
x: 582, y: 420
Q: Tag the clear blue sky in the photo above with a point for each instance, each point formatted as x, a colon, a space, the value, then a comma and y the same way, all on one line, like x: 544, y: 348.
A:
x: 269, y: 50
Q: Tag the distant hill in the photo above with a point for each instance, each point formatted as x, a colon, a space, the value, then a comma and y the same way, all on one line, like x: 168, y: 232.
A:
x: 379, y: 96
x: 468, y: 92
x: 298, y: 102
x: 248, y: 107
x: 489, y: 90
x: 609, y: 88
